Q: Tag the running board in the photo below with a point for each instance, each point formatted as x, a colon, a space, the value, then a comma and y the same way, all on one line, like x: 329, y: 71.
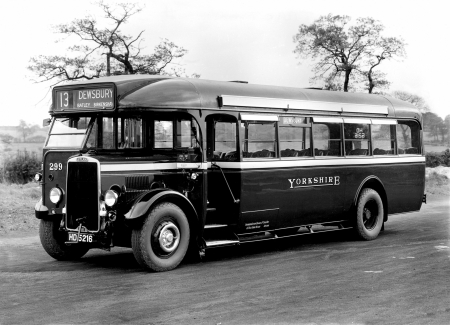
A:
x: 217, y: 243
x: 225, y: 239
x: 215, y: 225
x: 275, y: 235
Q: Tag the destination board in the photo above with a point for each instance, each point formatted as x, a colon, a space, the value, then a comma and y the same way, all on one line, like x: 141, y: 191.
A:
x: 292, y: 120
x: 85, y: 99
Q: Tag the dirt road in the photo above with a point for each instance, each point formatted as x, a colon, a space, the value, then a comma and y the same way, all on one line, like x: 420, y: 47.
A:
x: 403, y: 277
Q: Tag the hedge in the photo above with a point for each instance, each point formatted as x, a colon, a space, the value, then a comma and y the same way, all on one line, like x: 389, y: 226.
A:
x: 20, y: 168
x: 434, y: 159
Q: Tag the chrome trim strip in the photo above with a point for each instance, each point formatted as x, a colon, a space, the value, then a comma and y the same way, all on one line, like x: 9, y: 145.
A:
x: 311, y: 162
x: 259, y: 117
x: 245, y: 101
x: 266, y: 164
x: 319, y: 119
x: 357, y: 120
x: 116, y: 167
x: 384, y: 121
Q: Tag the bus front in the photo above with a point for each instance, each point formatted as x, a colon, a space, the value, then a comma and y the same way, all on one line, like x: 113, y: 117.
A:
x: 107, y: 171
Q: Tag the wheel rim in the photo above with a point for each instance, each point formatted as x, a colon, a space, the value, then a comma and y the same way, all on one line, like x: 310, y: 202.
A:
x: 370, y: 214
x: 168, y: 237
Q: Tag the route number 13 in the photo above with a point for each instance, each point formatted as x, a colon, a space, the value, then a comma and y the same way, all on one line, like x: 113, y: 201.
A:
x: 64, y: 99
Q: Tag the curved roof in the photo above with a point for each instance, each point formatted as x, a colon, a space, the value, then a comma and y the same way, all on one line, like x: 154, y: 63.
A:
x: 162, y: 91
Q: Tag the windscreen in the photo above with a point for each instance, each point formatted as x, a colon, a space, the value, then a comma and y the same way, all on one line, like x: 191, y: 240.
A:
x: 68, y: 132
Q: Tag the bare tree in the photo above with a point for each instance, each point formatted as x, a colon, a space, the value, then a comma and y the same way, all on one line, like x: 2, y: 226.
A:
x: 432, y: 123
x: 386, y: 48
x: 339, y: 49
x: 414, y: 99
x: 107, y: 50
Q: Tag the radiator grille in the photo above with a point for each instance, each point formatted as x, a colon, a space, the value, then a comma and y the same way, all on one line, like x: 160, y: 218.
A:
x: 82, y: 195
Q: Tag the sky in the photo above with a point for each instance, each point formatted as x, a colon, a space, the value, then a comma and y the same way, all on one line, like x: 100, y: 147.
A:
x: 228, y: 40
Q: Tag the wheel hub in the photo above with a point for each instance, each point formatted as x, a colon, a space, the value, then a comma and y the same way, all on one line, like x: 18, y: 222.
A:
x: 169, y: 237
x: 370, y: 215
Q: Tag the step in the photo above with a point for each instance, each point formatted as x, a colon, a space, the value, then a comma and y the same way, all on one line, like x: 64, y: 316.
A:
x: 221, y: 242
x: 215, y: 226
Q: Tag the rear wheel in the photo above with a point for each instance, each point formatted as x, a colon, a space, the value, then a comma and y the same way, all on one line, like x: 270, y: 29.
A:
x: 161, y: 242
x: 369, y: 214
x: 53, y: 242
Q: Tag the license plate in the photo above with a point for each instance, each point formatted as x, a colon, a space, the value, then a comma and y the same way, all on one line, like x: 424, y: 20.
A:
x: 84, y: 238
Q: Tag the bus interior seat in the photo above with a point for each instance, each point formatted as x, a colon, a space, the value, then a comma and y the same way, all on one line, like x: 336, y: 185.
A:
x: 263, y: 154
x: 358, y: 152
x: 318, y: 152
x: 289, y: 153
x: 378, y: 151
x: 217, y: 155
x: 304, y: 152
x: 232, y: 155
x: 333, y: 152
x: 411, y: 150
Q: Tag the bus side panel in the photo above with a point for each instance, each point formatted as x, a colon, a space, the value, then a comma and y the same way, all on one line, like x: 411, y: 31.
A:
x: 219, y: 196
x: 303, y: 196
x: 403, y: 183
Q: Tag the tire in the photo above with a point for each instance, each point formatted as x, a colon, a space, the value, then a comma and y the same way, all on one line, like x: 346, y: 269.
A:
x: 53, y: 242
x: 369, y: 214
x: 161, y: 242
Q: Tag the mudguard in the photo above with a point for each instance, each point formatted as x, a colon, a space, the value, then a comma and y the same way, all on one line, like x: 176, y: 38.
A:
x: 40, y: 210
x: 145, y: 202
x: 375, y: 183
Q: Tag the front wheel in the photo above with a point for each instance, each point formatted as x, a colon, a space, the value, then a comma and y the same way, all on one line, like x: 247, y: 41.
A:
x: 369, y: 214
x: 161, y: 242
x: 53, y: 242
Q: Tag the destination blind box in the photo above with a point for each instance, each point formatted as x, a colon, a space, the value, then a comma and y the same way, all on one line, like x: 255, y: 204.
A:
x: 96, y: 98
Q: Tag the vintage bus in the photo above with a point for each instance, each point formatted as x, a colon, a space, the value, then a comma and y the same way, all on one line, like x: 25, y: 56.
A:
x: 172, y: 166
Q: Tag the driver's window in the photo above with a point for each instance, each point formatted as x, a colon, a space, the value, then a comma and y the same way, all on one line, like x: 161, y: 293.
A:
x: 130, y: 132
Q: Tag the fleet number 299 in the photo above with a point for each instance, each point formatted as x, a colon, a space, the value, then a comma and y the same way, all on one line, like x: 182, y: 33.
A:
x: 56, y: 166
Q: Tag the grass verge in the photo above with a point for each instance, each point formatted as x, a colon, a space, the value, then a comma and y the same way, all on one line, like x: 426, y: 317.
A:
x: 17, y: 207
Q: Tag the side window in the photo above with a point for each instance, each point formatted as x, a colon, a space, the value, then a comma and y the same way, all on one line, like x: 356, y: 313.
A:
x: 108, y: 133
x: 92, y: 140
x: 130, y: 133
x: 259, y: 139
x: 184, y: 133
x: 163, y: 134
x: 383, y: 139
x: 225, y: 141
x: 295, y: 137
x: 327, y: 139
x: 102, y: 134
x: 187, y: 134
x: 408, y: 138
x: 356, y: 139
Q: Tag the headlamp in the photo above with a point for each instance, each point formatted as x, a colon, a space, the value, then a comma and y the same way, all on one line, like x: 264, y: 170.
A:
x: 111, y: 198
x: 38, y: 177
x: 55, y: 195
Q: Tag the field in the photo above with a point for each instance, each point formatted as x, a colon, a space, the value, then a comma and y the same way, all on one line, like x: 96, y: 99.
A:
x: 435, y: 148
